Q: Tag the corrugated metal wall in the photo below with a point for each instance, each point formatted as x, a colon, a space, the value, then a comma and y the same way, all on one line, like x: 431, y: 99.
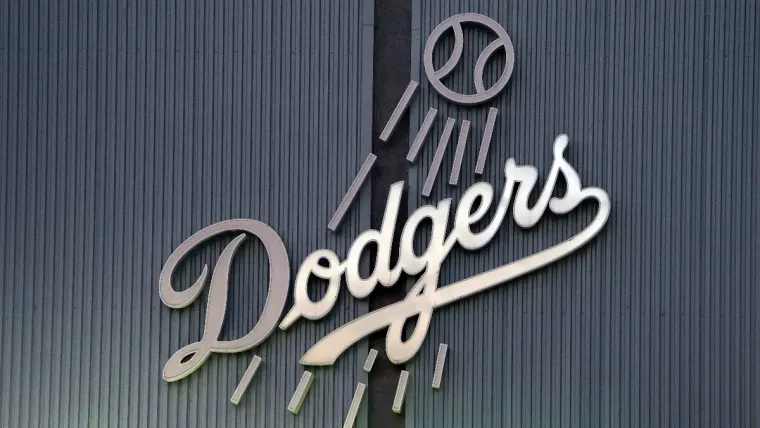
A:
x: 126, y: 127
x: 655, y: 323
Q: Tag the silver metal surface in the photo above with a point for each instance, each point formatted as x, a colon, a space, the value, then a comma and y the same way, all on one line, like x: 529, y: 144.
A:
x: 440, y: 360
x: 370, y: 360
x: 425, y: 296
x: 189, y: 358
x: 459, y: 155
x: 356, y: 402
x: 438, y: 157
x: 300, y: 394
x: 245, y: 380
x: 402, y: 105
x: 351, y: 193
x: 383, y: 273
x: 358, y: 287
x: 398, y: 399
x: 486, y: 142
x: 481, y: 93
x: 302, y: 304
x: 421, y: 135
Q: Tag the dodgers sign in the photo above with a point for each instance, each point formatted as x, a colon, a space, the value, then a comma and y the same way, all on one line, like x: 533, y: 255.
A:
x: 427, y: 294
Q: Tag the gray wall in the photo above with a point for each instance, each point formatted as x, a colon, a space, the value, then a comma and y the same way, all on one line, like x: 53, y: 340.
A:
x: 126, y: 127
x: 655, y: 323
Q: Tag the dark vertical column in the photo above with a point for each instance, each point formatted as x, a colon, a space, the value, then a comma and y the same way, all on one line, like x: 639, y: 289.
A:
x: 392, y: 65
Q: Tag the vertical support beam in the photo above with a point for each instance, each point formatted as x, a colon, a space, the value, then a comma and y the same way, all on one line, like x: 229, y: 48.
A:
x: 392, y: 72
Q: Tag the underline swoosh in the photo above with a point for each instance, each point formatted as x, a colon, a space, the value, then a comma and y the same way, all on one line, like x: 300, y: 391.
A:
x: 326, y: 351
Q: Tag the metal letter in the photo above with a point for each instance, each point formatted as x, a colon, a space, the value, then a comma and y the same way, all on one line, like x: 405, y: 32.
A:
x: 191, y: 357
x: 425, y: 296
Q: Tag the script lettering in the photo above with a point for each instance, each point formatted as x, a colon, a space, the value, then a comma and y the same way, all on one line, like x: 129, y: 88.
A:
x: 425, y: 296
x: 191, y: 357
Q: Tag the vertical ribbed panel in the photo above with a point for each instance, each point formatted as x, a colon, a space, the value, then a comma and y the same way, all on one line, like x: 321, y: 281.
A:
x: 655, y: 322
x: 125, y: 127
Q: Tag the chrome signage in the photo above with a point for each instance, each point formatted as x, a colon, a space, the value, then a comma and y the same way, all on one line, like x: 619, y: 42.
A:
x: 427, y: 294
